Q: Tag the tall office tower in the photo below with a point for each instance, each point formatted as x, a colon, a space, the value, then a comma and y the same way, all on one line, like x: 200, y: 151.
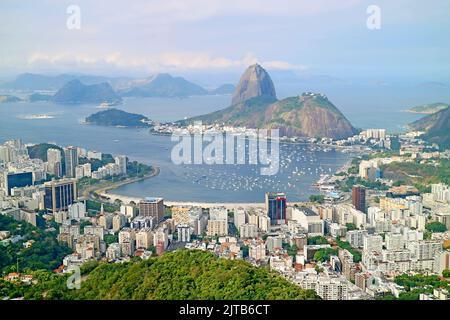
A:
x: 5, y: 154
x: 60, y: 194
x: 359, y: 198
x: 121, y: 161
x: 71, y: 160
x: 54, y: 160
x: 17, y: 180
x: 276, y: 207
x: 152, y: 207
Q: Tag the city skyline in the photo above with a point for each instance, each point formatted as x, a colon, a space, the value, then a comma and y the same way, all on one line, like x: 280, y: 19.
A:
x: 235, y: 151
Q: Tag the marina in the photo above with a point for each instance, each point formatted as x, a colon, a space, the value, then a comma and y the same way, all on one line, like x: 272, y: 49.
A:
x: 300, y: 167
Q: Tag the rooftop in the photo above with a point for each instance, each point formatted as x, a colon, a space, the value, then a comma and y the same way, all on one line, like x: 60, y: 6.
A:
x: 152, y: 199
x: 308, y: 212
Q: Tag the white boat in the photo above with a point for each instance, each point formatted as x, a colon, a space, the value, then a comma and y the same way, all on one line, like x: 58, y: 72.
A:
x: 37, y: 116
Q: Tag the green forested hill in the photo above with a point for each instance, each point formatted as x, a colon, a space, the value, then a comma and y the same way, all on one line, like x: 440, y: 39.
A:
x: 308, y: 115
x: 180, y: 275
x: 187, y: 274
x: 45, y: 253
x: 429, y: 108
x: 116, y: 117
x: 39, y: 151
x: 436, y: 126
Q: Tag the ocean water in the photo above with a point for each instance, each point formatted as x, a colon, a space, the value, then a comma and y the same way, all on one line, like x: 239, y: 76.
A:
x: 300, y: 165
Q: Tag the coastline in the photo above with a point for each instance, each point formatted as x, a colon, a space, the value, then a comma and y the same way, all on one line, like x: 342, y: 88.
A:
x: 107, y: 193
x: 103, y: 191
x: 422, y: 112
x: 112, y: 197
x: 288, y: 141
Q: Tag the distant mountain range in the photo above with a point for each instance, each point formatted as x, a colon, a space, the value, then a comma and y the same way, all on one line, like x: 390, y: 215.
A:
x: 74, y: 92
x: 429, y: 108
x: 223, y: 89
x: 31, y: 81
x: 254, y: 105
x: 162, y: 85
x: 436, y: 127
x: 159, y: 85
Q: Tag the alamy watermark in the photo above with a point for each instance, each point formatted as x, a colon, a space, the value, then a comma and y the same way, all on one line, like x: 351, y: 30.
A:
x: 218, y: 147
x: 374, y: 20
x: 73, y: 21
x: 74, y: 280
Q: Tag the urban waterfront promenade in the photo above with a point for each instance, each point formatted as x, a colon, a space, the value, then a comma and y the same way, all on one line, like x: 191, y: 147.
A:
x: 112, y: 197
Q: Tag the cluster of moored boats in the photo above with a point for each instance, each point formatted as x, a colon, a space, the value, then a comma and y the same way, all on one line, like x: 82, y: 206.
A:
x: 299, y: 168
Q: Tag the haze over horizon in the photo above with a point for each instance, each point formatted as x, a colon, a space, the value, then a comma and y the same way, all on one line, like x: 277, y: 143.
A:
x: 201, y: 38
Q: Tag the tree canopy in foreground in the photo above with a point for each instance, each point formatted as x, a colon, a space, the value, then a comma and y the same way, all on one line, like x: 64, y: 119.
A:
x: 180, y: 275
x: 187, y: 274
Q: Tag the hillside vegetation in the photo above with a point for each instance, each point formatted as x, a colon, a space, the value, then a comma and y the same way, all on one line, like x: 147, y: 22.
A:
x: 45, y: 253
x: 116, y: 117
x: 180, y: 275
x: 187, y: 274
x: 436, y: 127
x: 429, y: 108
x: 415, y: 172
x: 39, y: 151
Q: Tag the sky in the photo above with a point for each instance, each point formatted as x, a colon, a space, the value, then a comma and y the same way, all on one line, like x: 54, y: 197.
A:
x: 213, y: 37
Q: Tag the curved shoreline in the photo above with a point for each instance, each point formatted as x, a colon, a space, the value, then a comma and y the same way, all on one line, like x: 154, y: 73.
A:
x: 106, y: 194
x: 228, y: 205
x: 283, y: 141
x: 103, y: 191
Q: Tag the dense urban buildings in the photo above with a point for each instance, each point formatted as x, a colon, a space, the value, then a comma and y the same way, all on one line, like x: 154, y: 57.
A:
x: 347, y: 247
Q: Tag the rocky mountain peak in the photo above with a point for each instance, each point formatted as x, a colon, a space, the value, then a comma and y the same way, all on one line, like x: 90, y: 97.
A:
x: 255, y: 82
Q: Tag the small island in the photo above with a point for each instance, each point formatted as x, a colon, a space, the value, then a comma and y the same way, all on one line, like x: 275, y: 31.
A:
x: 35, y: 97
x: 119, y: 118
x: 8, y: 98
x: 429, y: 108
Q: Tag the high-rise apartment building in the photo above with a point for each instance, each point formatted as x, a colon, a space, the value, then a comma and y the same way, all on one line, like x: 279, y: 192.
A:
x: 71, y: 161
x: 218, y: 222
x: 152, y: 207
x: 54, y: 159
x: 121, y: 161
x: 372, y: 243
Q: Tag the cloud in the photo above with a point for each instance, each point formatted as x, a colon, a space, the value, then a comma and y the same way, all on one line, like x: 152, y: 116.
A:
x: 195, y: 10
x: 165, y: 62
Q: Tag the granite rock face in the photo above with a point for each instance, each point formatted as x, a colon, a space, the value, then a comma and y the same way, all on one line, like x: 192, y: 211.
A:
x: 308, y: 115
x: 255, y: 82
x: 254, y: 105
